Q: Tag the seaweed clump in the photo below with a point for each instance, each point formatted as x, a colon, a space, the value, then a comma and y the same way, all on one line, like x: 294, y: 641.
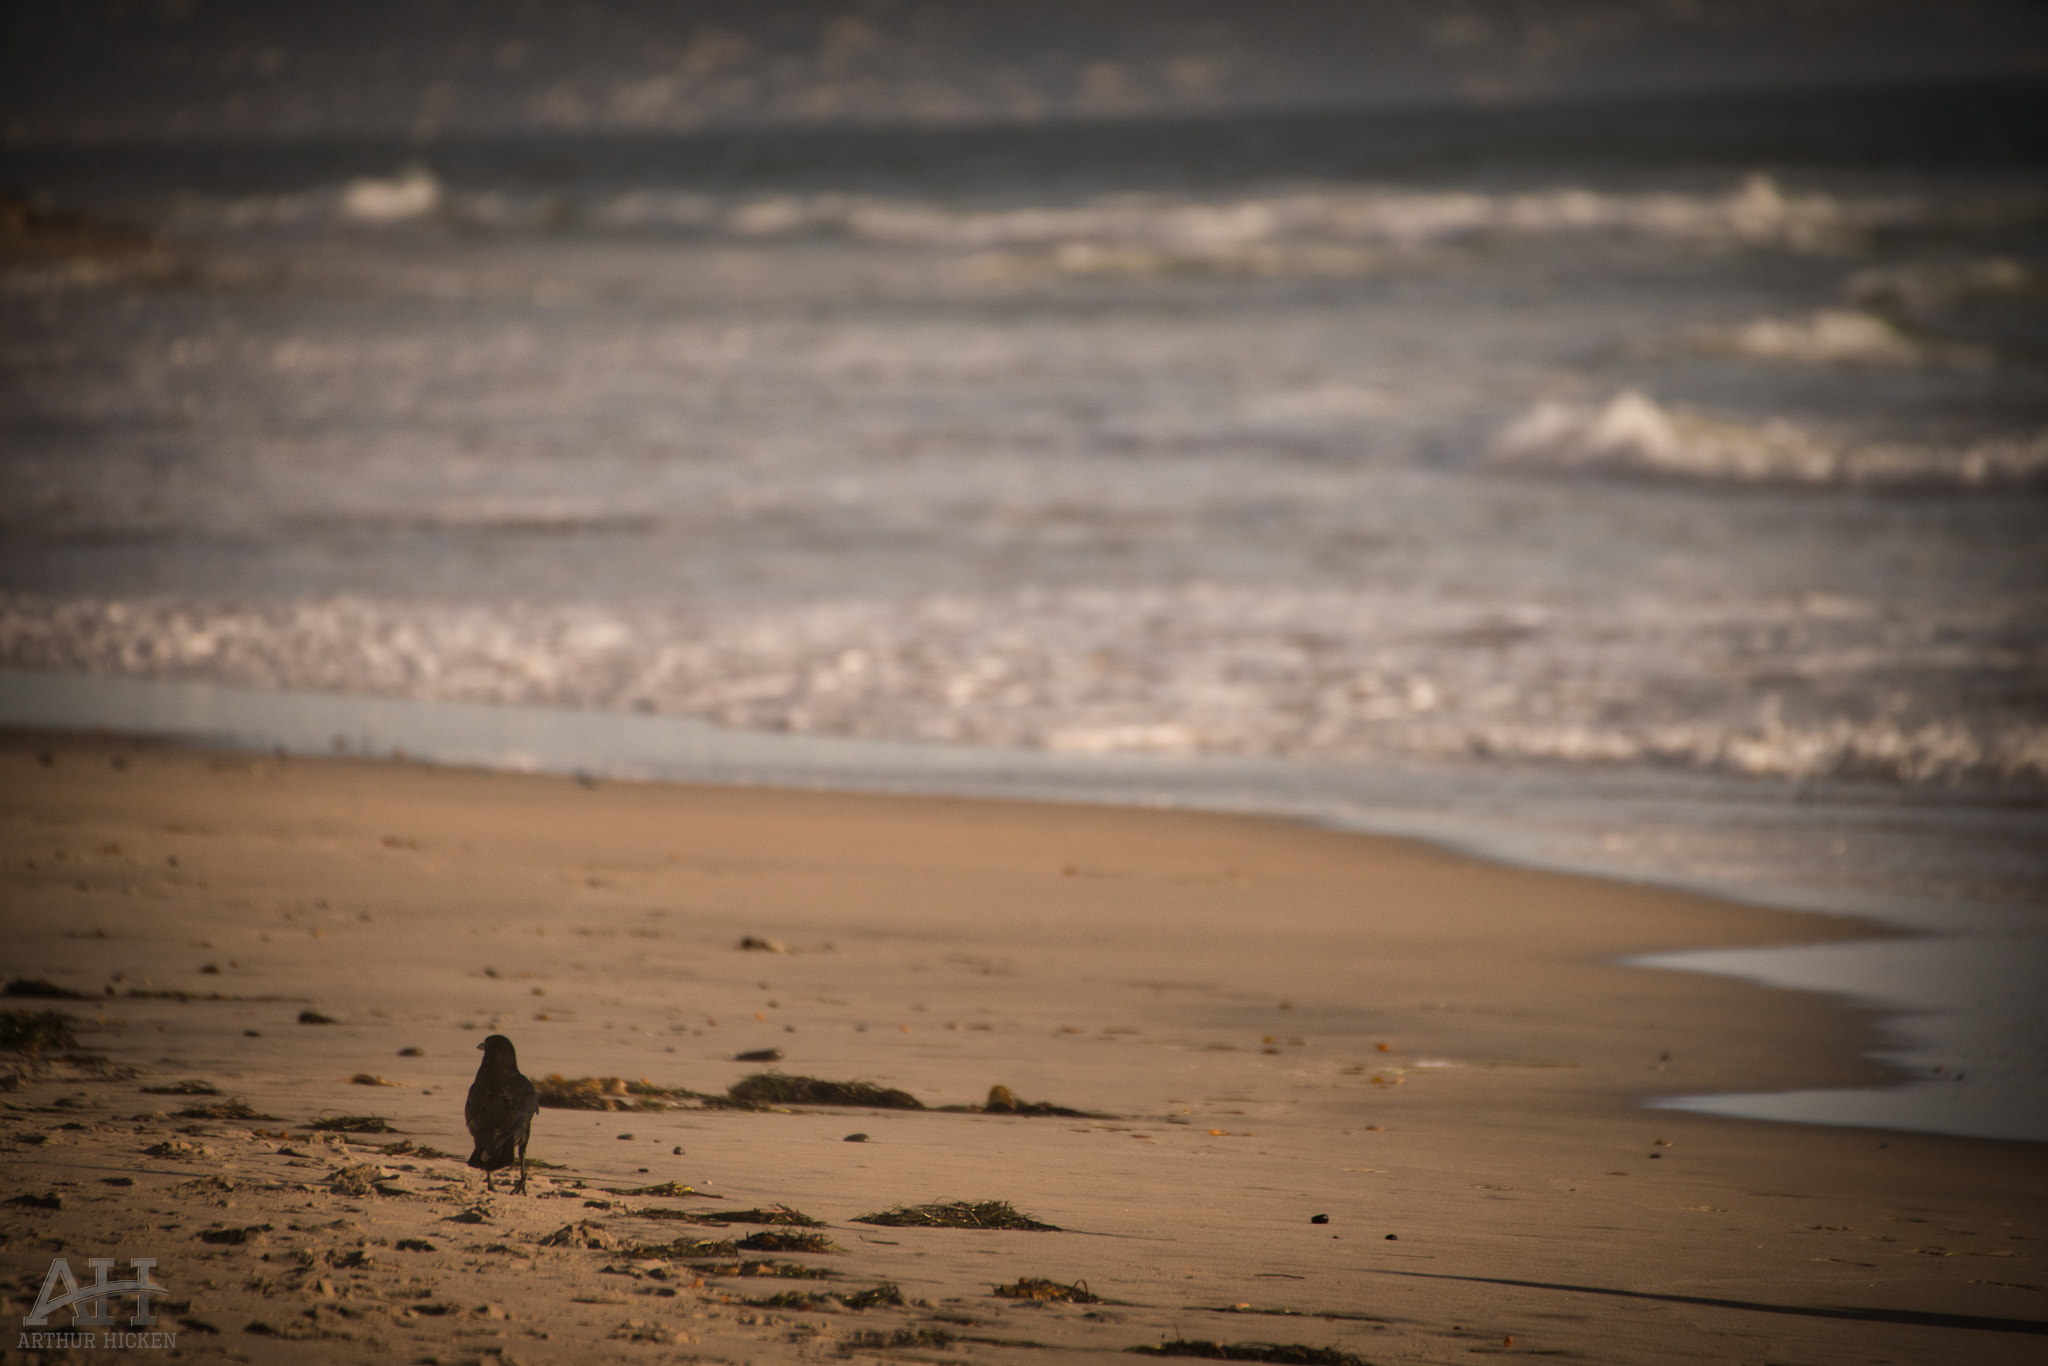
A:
x: 607, y: 1093
x: 24, y: 1030
x: 776, y: 1088
x: 226, y: 1109
x: 1003, y: 1101
x: 670, y: 1188
x: 793, y: 1270
x: 780, y: 1214
x: 685, y: 1247
x: 405, y: 1147
x: 886, y: 1339
x: 957, y: 1214
x: 876, y: 1296
x: 1286, y: 1353
x: 352, y: 1124
x: 768, y: 1240
x: 1037, y: 1288
x: 41, y: 987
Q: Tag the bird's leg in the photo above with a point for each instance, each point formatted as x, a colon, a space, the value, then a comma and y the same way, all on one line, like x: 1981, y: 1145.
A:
x: 521, y: 1188
x: 487, y: 1182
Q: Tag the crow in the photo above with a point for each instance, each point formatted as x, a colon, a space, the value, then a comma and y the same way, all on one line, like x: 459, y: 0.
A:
x: 500, y: 1111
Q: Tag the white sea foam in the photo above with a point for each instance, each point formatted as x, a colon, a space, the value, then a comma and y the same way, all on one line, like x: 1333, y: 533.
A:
x: 1316, y: 227
x: 1201, y: 670
x: 1758, y: 212
x: 412, y: 193
x: 1633, y: 434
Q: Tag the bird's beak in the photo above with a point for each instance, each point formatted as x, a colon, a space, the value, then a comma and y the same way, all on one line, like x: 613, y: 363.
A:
x: 479, y: 1048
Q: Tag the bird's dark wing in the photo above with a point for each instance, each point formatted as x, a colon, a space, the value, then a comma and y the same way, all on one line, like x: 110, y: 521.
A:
x: 499, y: 1114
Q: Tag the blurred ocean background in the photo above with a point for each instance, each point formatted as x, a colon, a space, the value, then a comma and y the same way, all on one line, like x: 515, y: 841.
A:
x: 1578, y: 401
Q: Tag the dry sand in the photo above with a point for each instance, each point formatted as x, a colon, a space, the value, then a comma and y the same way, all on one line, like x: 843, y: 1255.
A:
x: 1274, y: 1022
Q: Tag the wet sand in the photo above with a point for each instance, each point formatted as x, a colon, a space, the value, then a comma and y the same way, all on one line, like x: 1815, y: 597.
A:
x: 1266, y: 1023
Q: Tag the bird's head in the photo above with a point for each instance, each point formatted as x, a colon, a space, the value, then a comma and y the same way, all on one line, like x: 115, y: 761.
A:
x: 497, y: 1045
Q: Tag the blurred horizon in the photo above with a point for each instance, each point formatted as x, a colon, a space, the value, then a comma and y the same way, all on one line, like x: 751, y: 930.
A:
x: 87, y: 71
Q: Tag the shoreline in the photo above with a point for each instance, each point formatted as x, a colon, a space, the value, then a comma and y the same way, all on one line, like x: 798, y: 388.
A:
x: 1894, y: 861
x: 1129, y: 963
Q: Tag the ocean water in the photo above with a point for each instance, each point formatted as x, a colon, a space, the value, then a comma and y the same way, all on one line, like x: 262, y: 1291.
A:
x: 1662, y: 451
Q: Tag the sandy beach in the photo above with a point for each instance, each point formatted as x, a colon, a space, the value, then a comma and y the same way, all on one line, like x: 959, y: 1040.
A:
x: 1335, y: 1092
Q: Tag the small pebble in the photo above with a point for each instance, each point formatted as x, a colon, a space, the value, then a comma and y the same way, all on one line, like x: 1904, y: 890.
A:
x: 1393, y: 1237
x: 856, y: 1138
x: 1319, y: 1219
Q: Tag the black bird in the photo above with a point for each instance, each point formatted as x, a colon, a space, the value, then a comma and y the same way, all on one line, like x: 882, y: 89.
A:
x: 500, y: 1111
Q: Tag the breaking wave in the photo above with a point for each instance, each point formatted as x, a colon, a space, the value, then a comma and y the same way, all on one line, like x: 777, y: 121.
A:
x: 1758, y: 212
x: 1633, y: 434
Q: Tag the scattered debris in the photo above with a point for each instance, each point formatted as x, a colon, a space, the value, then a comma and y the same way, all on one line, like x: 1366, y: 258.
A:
x: 855, y: 1138
x: 359, y: 1179
x: 582, y: 1233
x: 371, y: 1079
x: 757, y: 944
x: 190, y: 1087
x: 1035, y: 1288
x: 884, y: 1294
x: 956, y: 1214
x: 314, y: 1017
x: 412, y: 1052
x: 176, y: 1147
x: 775, y: 1088
x: 759, y: 1055
x: 49, y: 1201
x: 413, y: 1245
